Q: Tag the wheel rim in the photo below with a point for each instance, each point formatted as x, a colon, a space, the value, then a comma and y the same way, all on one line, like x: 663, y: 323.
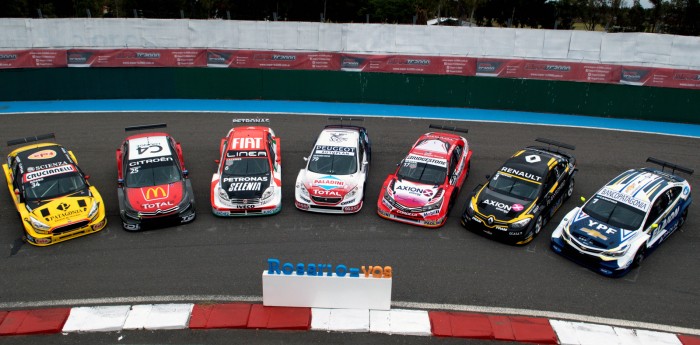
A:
x: 682, y: 220
x: 570, y: 190
x: 639, y: 258
x: 538, y: 225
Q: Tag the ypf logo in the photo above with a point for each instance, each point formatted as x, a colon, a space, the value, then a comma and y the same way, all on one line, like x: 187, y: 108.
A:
x: 63, y: 206
x: 155, y: 193
x: 533, y: 159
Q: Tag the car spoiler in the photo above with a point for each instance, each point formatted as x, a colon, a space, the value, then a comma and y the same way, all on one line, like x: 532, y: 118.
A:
x: 136, y: 128
x: 449, y: 128
x: 30, y: 139
x: 343, y: 119
x: 673, y: 167
x: 555, y: 143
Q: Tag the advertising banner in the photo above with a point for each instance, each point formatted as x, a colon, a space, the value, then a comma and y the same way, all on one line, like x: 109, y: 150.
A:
x: 137, y: 58
x: 661, y: 77
x: 272, y: 60
x: 444, y: 65
x: 548, y: 70
x: 35, y: 58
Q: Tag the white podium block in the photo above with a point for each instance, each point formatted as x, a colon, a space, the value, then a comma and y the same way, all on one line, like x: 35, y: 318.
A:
x: 326, y: 292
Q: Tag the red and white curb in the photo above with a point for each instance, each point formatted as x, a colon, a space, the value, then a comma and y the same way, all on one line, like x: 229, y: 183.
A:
x: 396, y: 321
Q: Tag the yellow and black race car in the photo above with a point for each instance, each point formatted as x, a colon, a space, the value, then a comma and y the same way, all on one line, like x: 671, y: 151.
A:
x: 523, y: 195
x: 52, y: 195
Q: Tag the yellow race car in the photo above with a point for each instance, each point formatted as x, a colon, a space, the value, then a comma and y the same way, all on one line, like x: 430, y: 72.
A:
x: 52, y: 195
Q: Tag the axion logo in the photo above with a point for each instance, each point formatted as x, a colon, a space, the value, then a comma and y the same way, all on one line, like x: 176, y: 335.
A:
x: 411, y: 189
x: 518, y: 207
x: 155, y: 193
x: 498, y: 205
x: 428, y: 193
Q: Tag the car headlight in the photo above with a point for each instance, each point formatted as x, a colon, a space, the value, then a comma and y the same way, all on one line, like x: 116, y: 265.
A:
x: 521, y: 223
x: 352, y: 192
x: 93, y: 210
x: 303, y: 189
x: 222, y: 194
x: 36, y: 224
x: 470, y: 209
x: 268, y: 193
x: 431, y: 207
x: 619, y: 251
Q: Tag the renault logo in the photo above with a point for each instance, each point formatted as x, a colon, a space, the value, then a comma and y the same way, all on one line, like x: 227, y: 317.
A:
x: 62, y: 206
x: 490, y: 220
x: 155, y: 193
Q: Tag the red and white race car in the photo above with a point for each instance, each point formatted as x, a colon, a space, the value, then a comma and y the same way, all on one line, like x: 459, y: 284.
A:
x: 427, y: 182
x: 153, y: 186
x: 248, y: 181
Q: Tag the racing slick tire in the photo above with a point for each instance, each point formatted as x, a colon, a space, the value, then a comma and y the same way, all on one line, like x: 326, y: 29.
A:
x: 681, y: 221
x: 638, y: 257
x: 453, y: 199
x: 537, y: 227
x: 570, y: 188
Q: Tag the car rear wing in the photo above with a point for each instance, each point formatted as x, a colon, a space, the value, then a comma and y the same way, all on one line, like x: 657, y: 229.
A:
x: 449, y: 128
x: 673, y: 167
x: 345, y: 119
x: 151, y: 126
x: 26, y: 140
x: 555, y: 143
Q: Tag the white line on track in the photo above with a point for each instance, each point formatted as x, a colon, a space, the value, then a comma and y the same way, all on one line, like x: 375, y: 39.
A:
x: 399, y: 304
x: 362, y: 115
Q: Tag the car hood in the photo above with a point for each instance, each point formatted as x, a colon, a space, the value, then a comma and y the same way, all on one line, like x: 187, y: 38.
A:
x: 245, y: 187
x: 592, y: 232
x: 414, y: 194
x: 325, y: 185
x: 154, y: 198
x: 501, y: 206
x: 65, y: 210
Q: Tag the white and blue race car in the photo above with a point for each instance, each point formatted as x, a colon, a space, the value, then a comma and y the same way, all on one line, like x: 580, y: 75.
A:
x: 625, y: 220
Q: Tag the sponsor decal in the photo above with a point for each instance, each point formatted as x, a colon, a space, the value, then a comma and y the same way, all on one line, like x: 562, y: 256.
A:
x: 350, y: 62
x: 246, y: 143
x: 39, y: 174
x: 498, y: 205
x: 488, y: 66
x: 602, y: 227
x: 150, y: 161
x: 431, y: 213
x: 412, y: 189
x: 274, y: 266
x: 547, y: 67
x: 251, y: 120
x: 43, y: 154
x: 233, y: 154
x: 245, y: 186
x: 624, y: 198
x: 347, y: 202
x: 490, y: 220
x: 517, y: 207
x: 65, y: 214
x: 428, y: 193
x: 502, y: 228
x: 78, y: 57
x: 322, y: 192
x: 594, y: 233
x: 633, y: 76
x: 155, y: 193
x: 525, y: 175
x: 245, y: 179
x: 8, y: 56
x: 217, y: 57
x: 426, y: 160
x: 686, y: 190
x: 328, y: 182
x: 46, y: 166
x: 63, y: 206
x: 335, y: 150
x: 158, y: 205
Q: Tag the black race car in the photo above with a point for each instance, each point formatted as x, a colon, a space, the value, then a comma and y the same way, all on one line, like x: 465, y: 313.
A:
x: 523, y: 195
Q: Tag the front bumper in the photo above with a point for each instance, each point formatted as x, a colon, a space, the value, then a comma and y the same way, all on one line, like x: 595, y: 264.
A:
x: 435, y: 220
x: 500, y: 232
x: 42, y: 240
x: 353, y: 205
x: 169, y: 219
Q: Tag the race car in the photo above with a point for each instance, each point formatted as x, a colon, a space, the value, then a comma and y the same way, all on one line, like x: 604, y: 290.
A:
x: 153, y: 187
x: 248, y: 181
x: 626, y: 220
x: 54, y: 199
x: 426, y: 183
x: 523, y: 195
x: 333, y: 180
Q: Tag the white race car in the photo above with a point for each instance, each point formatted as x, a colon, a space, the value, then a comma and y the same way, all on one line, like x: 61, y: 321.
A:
x: 335, y: 174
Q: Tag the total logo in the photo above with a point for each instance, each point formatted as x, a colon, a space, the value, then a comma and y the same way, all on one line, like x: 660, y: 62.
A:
x: 328, y: 182
x: 157, y: 205
x: 323, y: 192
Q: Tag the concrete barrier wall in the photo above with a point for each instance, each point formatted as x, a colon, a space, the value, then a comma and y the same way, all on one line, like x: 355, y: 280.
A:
x: 622, y: 101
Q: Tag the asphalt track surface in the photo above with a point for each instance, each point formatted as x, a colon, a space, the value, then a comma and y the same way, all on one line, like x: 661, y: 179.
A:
x: 225, y: 257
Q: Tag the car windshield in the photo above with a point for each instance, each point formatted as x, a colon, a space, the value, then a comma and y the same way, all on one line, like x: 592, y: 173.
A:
x: 246, y: 166
x: 54, y: 186
x: 422, y: 173
x: 513, y: 186
x: 152, y: 174
x: 333, y: 160
x: 614, y: 213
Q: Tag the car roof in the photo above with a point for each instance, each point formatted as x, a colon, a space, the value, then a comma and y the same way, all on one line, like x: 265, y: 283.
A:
x: 238, y: 135
x: 147, y: 146
x: 52, y: 153
x: 636, y: 187
x: 532, y: 161
x: 434, y: 145
x: 339, y: 136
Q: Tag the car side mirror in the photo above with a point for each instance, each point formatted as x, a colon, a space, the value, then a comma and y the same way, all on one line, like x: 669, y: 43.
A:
x: 583, y: 199
x: 306, y: 159
x: 488, y: 177
x: 217, y: 161
x: 120, y: 181
x: 185, y: 173
x: 17, y: 191
x: 654, y: 226
x: 87, y: 177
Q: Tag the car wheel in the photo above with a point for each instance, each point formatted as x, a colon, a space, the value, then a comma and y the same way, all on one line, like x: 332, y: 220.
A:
x: 570, y: 188
x: 638, y: 257
x: 681, y: 221
x: 538, y: 226
x: 453, y: 199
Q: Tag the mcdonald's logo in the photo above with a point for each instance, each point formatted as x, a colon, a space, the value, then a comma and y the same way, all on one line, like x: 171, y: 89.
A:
x: 155, y: 193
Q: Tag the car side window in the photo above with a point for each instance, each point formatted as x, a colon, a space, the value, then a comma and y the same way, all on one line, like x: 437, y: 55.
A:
x: 361, y: 152
x: 657, y: 209
x: 271, y: 146
x: 454, y: 160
